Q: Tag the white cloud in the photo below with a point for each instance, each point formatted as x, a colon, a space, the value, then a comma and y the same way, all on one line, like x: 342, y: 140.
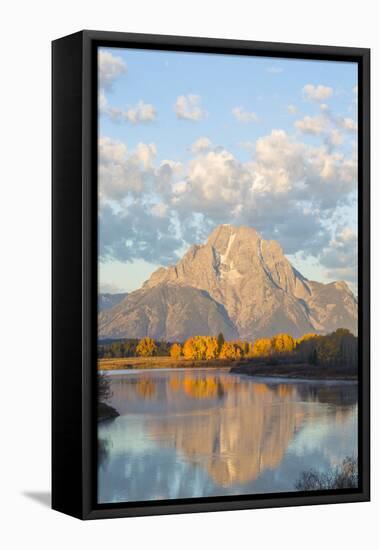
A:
x: 122, y: 172
x: 317, y: 93
x: 145, y: 153
x: 312, y: 125
x: 110, y: 68
x: 188, y: 107
x: 340, y: 256
x: 347, y: 124
x: 332, y: 127
x: 244, y: 116
x: 201, y: 144
x: 288, y: 191
x: 292, y: 109
x: 288, y: 187
x: 136, y: 233
x: 141, y: 113
x: 335, y: 138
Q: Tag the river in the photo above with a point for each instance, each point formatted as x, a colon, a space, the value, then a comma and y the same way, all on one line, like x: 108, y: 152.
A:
x: 200, y: 433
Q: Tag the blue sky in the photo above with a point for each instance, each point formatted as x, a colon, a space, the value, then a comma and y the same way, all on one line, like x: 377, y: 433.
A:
x: 188, y: 141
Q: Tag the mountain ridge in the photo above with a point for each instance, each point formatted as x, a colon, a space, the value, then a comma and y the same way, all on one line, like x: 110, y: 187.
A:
x: 260, y: 291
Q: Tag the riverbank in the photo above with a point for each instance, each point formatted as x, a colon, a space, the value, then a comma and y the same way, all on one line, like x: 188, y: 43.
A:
x: 297, y: 371
x: 250, y: 367
x: 106, y: 412
x: 140, y: 363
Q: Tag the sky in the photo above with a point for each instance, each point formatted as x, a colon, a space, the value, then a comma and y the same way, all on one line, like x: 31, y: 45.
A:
x: 188, y: 141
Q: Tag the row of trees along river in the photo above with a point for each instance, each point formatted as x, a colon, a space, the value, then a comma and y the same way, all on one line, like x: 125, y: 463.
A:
x: 339, y: 347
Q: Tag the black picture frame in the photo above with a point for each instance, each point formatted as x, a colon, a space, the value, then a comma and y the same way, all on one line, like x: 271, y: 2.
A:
x: 74, y: 272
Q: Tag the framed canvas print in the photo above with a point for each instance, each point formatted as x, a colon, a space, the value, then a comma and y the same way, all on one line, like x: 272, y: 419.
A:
x: 210, y: 274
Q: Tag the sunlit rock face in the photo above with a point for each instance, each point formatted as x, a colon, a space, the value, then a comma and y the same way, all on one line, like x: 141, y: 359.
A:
x: 236, y: 280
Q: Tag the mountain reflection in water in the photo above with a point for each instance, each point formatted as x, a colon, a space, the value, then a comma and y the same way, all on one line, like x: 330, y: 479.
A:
x: 205, y: 433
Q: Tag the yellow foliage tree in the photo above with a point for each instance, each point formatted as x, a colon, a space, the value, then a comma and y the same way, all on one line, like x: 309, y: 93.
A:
x: 195, y: 348
x: 230, y: 351
x: 212, y: 348
x: 262, y: 347
x: 243, y: 346
x: 146, y: 347
x: 283, y: 343
x: 176, y: 351
x: 250, y: 350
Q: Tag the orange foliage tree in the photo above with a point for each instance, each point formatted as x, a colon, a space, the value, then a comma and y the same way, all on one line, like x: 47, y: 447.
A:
x: 230, y: 351
x: 262, y: 347
x: 146, y: 347
x: 212, y: 347
x: 283, y: 343
x: 195, y: 348
x: 176, y: 351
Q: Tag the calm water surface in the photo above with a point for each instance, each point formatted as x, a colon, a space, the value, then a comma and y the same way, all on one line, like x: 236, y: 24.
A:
x: 201, y: 433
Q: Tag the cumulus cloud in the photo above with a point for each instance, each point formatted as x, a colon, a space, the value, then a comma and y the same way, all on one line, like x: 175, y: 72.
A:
x: 317, y: 93
x: 188, y: 107
x: 340, y: 256
x: 334, y: 138
x: 288, y: 191
x: 120, y: 172
x: 244, y: 116
x: 137, y: 233
x: 347, y: 124
x: 201, y: 144
x: 312, y: 125
x: 328, y: 125
x: 110, y: 67
x: 140, y: 113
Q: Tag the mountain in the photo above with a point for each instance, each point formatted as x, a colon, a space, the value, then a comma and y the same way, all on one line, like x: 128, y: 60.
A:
x: 238, y: 281
x: 106, y: 300
x: 166, y: 312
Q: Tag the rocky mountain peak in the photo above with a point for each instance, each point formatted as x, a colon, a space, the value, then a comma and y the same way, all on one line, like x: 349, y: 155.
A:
x: 258, y: 290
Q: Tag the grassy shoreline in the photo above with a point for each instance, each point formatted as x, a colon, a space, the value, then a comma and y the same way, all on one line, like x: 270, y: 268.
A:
x: 140, y: 363
x: 246, y: 366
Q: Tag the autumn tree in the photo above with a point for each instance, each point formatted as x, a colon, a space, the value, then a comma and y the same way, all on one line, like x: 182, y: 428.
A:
x: 175, y: 351
x: 244, y: 347
x: 146, y: 347
x: 195, y: 348
x: 283, y: 343
x: 262, y: 347
x: 212, y: 348
x: 338, y: 348
x: 230, y: 351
